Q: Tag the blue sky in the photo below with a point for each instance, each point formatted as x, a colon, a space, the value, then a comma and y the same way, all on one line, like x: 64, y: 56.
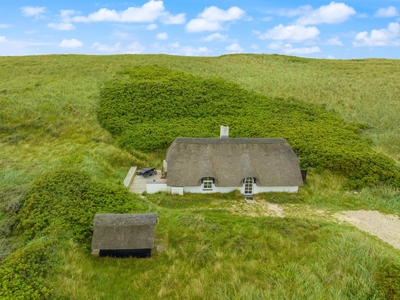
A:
x: 337, y: 30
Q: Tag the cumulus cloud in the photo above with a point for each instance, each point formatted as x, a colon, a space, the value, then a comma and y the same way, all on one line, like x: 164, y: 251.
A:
x: 212, y: 18
x: 4, y: 26
x: 151, y: 26
x: 148, y: 12
x: 330, y: 14
x: 66, y: 19
x: 193, y: 51
x: 61, y: 26
x: 289, y: 49
x: 379, y: 37
x: 334, y: 42
x: 170, y: 19
x: 135, y: 48
x: 293, y: 33
x: 330, y: 57
x: 387, y: 12
x: 162, y: 36
x: 72, y: 43
x: 235, y: 47
x: 106, y: 48
x: 29, y: 11
x: 3, y: 39
x: 215, y: 36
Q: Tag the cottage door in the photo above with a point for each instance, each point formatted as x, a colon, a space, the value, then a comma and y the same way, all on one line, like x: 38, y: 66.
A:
x: 248, y: 186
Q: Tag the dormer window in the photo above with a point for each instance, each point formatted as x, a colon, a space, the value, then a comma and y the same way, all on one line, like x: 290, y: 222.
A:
x: 207, y: 183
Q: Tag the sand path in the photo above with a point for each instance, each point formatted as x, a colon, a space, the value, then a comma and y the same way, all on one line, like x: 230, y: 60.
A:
x: 384, y: 226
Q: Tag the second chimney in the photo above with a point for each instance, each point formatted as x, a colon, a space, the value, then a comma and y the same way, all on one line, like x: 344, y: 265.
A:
x: 224, y: 133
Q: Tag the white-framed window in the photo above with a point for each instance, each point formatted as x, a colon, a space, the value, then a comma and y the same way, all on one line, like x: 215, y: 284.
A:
x: 207, y: 183
x: 248, y: 185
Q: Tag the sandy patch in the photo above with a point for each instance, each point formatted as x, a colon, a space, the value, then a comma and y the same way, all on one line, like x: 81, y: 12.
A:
x: 385, y: 227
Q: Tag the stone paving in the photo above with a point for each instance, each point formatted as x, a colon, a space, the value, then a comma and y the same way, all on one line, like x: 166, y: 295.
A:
x: 138, y: 184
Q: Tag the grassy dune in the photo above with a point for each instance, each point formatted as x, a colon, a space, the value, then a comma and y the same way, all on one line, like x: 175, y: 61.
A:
x: 48, y: 122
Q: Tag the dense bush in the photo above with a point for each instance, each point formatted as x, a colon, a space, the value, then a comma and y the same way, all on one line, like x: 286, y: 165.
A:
x: 23, y: 273
x: 65, y: 202
x: 146, y: 108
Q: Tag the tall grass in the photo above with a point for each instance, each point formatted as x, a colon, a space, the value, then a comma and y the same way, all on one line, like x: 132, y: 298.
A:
x: 216, y: 255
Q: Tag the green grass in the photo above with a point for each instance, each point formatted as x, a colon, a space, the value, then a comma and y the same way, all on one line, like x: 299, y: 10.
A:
x: 48, y: 122
x: 217, y: 255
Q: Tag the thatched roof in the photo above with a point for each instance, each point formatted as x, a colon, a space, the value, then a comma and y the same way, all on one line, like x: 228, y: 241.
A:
x: 229, y: 160
x: 123, y: 231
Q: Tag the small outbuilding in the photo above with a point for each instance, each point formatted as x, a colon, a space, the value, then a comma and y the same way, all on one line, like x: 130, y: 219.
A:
x: 123, y: 235
x: 250, y: 165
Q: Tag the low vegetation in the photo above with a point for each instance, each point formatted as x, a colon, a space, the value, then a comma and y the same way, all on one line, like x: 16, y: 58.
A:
x: 149, y: 107
x: 58, y: 167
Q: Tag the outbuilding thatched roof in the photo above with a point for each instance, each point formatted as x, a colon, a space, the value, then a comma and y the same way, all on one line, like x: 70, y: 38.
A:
x: 229, y: 160
x: 123, y: 231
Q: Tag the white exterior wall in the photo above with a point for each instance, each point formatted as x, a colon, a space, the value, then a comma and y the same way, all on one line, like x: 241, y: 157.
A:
x: 155, y: 187
x: 215, y: 189
x: 256, y: 189
x: 268, y: 189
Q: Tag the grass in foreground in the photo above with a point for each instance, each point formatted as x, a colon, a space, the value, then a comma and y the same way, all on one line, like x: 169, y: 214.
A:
x: 212, y: 254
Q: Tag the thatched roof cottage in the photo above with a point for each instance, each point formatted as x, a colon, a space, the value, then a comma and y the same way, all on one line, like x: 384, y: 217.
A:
x: 123, y: 235
x: 250, y: 165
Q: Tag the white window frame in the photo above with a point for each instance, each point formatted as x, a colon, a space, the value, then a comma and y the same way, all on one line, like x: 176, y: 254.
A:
x: 248, y: 185
x: 207, y: 183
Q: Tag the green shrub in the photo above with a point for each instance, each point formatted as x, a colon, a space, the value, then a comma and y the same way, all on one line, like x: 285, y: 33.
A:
x: 23, y: 273
x: 148, y: 107
x: 65, y: 202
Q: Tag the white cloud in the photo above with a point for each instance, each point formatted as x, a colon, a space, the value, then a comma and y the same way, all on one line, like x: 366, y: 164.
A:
x: 170, y: 19
x: 162, y: 36
x: 388, y: 12
x: 151, y: 26
x: 213, y: 13
x: 106, y: 48
x: 66, y: 15
x: 212, y: 17
x: 301, y: 10
x: 235, y: 47
x: 215, y: 36
x: 198, y: 25
x: 73, y: 43
x: 330, y: 57
x: 191, y: 51
x: 3, y: 39
x: 4, y: 26
x: 294, y: 33
x: 29, y: 11
x: 330, y: 14
x: 288, y: 48
x: 254, y: 46
x: 334, y: 42
x: 379, y: 37
x: 135, y: 48
x: 61, y: 26
x: 148, y: 12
